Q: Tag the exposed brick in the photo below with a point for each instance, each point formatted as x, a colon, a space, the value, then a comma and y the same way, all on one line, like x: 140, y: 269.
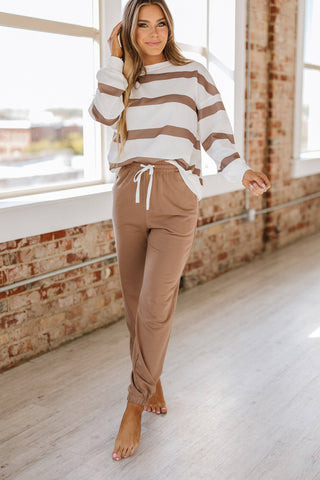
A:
x: 46, y: 237
x: 52, y: 291
x: 21, y: 347
x: 3, y: 306
x: 10, y: 258
x: 19, y: 302
x: 7, y: 321
x: 3, y: 277
x: 59, y: 234
x: 19, y: 272
x: 4, y: 340
x: 77, y: 257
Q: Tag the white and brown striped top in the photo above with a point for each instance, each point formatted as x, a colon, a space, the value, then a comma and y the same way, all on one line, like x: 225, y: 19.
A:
x: 172, y: 110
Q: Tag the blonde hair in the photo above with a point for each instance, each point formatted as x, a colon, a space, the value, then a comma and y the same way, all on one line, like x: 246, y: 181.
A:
x: 132, y: 55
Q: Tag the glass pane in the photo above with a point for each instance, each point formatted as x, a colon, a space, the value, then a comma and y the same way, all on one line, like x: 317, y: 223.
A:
x: 195, y: 56
x: 190, y: 24
x: 312, y: 32
x: 46, y: 137
x: 225, y: 85
x: 222, y: 31
x: 79, y: 12
x: 310, y: 138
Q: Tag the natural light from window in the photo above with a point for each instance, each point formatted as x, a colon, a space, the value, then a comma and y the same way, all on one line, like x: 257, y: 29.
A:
x: 47, y: 82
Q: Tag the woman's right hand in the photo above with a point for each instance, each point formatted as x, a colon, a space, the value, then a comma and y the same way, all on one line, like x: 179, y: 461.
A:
x: 116, y: 50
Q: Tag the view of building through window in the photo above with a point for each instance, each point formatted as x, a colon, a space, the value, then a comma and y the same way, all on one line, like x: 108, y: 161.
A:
x: 46, y: 136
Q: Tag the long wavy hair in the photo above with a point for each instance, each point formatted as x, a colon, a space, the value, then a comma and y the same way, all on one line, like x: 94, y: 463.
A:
x: 132, y: 55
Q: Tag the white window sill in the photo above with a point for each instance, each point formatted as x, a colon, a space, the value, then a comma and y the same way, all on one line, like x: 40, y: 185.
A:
x: 305, y: 167
x: 30, y: 215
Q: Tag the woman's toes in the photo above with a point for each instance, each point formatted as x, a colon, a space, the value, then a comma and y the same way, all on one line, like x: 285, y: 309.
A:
x: 156, y: 409
x: 125, y: 452
x: 132, y: 451
x: 116, y: 455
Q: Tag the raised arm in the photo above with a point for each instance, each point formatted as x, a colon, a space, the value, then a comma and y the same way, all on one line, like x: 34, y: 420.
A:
x: 107, y: 105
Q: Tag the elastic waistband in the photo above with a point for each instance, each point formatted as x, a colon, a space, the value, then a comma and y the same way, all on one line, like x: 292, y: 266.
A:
x: 161, y: 165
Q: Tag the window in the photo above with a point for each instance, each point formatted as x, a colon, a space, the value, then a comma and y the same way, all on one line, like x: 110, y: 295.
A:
x: 47, y: 140
x: 307, y: 109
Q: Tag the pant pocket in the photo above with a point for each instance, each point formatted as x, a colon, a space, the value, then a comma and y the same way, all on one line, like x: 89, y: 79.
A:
x: 186, y: 189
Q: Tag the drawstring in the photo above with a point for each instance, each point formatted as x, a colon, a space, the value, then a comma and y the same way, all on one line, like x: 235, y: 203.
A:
x: 137, y: 178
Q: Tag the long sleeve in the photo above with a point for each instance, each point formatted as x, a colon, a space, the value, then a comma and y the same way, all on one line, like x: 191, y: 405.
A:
x: 107, y: 105
x: 215, y: 129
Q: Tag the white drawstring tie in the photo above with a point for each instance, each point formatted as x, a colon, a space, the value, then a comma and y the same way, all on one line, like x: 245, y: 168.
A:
x: 137, y: 178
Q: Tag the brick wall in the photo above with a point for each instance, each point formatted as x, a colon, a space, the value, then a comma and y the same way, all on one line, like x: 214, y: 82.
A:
x: 43, y: 315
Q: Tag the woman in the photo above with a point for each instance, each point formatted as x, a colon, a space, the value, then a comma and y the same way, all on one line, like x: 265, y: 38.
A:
x: 161, y: 106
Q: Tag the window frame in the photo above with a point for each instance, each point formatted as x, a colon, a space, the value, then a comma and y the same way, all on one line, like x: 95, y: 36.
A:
x: 301, y: 167
x: 37, y: 213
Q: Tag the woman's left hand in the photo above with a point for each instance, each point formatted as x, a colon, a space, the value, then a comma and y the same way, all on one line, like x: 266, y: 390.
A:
x: 256, y: 182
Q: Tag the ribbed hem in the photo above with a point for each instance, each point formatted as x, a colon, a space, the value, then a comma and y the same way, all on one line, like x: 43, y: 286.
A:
x: 235, y: 170
x: 136, y: 399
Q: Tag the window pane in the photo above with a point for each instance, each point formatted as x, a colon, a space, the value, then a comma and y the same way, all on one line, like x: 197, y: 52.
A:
x: 190, y: 24
x: 222, y: 32
x: 312, y: 32
x: 79, y: 12
x: 310, y: 138
x: 225, y: 85
x: 46, y: 137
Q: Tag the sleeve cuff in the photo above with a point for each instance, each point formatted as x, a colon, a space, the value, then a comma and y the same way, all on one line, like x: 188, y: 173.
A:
x: 235, y: 170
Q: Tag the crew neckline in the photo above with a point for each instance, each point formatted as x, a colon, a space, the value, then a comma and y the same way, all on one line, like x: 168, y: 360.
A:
x: 155, y: 66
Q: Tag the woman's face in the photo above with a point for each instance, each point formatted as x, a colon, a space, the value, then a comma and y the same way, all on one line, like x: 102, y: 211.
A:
x: 152, y: 33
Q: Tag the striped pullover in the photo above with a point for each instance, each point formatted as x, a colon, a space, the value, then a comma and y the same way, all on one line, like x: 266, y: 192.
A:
x: 171, y: 111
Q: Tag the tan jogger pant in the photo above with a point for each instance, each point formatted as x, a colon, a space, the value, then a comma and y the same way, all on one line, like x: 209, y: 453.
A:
x: 154, y: 216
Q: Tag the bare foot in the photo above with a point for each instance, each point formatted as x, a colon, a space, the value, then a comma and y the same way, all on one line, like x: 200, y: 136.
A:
x: 127, y: 440
x: 156, y: 403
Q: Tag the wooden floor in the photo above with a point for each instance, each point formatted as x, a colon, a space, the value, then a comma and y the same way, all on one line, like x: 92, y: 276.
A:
x: 241, y: 379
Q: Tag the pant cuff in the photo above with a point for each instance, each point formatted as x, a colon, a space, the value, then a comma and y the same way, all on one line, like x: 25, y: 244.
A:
x: 135, y: 399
